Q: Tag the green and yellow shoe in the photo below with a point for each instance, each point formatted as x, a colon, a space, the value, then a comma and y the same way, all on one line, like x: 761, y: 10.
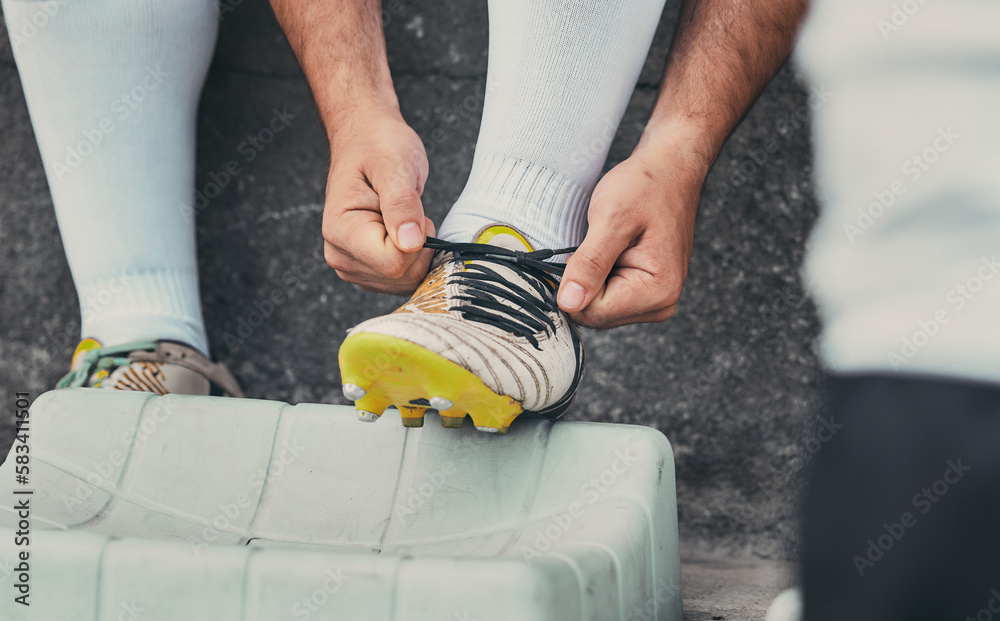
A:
x: 162, y: 367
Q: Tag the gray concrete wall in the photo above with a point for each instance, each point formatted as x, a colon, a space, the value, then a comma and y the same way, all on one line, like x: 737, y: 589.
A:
x: 732, y: 379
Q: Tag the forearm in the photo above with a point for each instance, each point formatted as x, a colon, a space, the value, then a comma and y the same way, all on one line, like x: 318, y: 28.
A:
x: 723, y: 55
x: 341, y: 48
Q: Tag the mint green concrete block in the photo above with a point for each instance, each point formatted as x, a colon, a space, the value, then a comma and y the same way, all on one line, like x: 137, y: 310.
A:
x: 65, y: 577
x: 202, y: 508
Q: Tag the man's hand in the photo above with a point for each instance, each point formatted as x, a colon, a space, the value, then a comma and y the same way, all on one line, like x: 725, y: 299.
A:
x: 633, y: 262
x: 373, y: 223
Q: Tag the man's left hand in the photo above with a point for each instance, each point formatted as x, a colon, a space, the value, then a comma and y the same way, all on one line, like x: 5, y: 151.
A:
x: 632, y: 264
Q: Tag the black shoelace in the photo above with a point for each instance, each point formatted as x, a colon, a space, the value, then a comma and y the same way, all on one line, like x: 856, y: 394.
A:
x: 528, y: 313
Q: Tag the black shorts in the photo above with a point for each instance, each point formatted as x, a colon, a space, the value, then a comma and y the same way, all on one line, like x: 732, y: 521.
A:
x: 902, y: 518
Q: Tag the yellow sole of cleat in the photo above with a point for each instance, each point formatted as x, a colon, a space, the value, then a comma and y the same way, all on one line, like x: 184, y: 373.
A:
x: 394, y: 371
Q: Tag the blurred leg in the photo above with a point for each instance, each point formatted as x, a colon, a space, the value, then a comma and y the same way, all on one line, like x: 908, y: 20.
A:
x: 901, y: 518
x: 112, y: 87
x: 560, y: 76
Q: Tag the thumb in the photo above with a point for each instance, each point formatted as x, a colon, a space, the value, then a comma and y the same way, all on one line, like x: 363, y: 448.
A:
x: 402, y: 211
x: 587, y: 270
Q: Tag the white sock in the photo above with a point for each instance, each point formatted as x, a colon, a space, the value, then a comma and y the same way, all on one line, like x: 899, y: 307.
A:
x: 560, y: 76
x: 112, y: 87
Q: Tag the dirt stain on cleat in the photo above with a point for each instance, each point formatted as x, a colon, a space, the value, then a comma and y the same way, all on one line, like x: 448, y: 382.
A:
x: 412, y: 416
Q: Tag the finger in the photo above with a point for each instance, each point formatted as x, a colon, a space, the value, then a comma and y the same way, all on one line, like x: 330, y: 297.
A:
x: 604, y: 319
x: 354, y: 227
x: 355, y: 272
x: 632, y: 295
x: 617, y: 322
x: 399, y: 187
x: 350, y: 204
x: 588, y: 268
x: 342, y: 261
x: 403, y: 286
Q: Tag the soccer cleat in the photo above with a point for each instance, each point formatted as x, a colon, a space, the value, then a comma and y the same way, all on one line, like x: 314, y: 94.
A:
x: 163, y: 367
x: 482, y: 336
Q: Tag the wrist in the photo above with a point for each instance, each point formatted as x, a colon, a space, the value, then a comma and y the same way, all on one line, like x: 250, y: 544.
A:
x: 685, y: 146
x: 346, y: 115
x: 347, y: 91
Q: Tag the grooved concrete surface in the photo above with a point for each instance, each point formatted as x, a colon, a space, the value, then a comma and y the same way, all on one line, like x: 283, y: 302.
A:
x: 732, y: 379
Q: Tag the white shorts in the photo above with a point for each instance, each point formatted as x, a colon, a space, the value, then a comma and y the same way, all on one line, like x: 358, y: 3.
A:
x: 905, y: 259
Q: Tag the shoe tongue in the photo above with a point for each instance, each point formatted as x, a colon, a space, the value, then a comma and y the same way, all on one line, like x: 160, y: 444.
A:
x: 85, y: 345
x: 505, y: 237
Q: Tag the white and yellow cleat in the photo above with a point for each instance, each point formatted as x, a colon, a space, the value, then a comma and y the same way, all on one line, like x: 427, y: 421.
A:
x: 482, y: 336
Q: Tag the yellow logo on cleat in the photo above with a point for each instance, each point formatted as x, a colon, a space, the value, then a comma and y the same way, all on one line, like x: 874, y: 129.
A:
x: 85, y: 345
x: 500, y: 235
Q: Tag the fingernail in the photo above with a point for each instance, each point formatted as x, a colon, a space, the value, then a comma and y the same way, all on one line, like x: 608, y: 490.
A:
x: 409, y: 235
x: 571, y: 295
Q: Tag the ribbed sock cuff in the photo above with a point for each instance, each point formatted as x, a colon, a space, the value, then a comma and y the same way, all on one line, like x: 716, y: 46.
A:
x: 543, y: 204
x: 129, y: 305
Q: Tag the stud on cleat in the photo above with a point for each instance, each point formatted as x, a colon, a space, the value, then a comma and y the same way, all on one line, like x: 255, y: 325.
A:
x: 353, y: 392
x: 488, y: 429
x: 368, y: 417
x: 452, y: 422
x: 412, y: 416
x: 441, y: 404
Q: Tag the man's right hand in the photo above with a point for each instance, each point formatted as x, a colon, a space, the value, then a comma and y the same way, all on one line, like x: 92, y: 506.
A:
x: 373, y: 223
